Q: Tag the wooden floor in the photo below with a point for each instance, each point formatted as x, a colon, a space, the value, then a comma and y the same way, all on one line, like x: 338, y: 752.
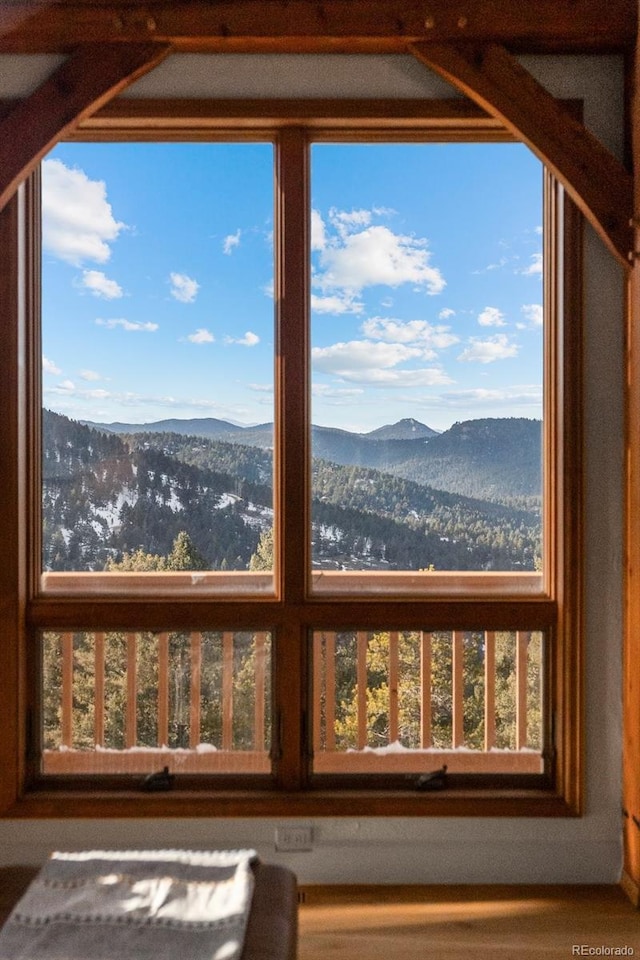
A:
x: 466, y: 923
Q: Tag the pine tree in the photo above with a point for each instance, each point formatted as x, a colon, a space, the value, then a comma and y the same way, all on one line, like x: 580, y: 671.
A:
x: 262, y: 559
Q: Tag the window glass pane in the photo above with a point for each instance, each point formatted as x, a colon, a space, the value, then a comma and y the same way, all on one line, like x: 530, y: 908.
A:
x: 405, y: 701
x: 157, y: 329
x: 427, y: 349
x: 134, y: 702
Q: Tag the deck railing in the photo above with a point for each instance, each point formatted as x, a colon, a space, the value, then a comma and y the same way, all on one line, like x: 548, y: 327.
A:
x: 515, y: 748
x: 205, y: 700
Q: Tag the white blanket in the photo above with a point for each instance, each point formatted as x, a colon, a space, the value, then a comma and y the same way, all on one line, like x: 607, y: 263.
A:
x: 133, y: 905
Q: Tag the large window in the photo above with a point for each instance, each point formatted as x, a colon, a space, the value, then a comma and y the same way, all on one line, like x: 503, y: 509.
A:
x: 302, y: 475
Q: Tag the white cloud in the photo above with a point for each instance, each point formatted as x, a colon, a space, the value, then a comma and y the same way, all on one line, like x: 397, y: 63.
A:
x: 318, y: 234
x: 249, y: 340
x: 376, y: 255
x: 491, y: 317
x: 336, y: 303
x: 183, y: 288
x: 66, y: 385
x: 261, y: 387
x: 363, y: 361
x: 49, y: 366
x: 129, y: 325
x: 498, y: 265
x: 446, y: 313
x: 527, y: 395
x: 361, y: 354
x: 535, y: 267
x: 89, y: 375
x: 201, y: 336
x: 231, y: 241
x: 486, y: 351
x: 77, y: 220
x: 409, y: 331
x: 346, y: 221
x: 146, y: 405
x: 533, y: 313
x: 327, y: 392
x: 426, y: 377
x: 100, y: 285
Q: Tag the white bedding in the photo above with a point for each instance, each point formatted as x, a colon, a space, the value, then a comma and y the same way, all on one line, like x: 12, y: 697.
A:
x: 134, y: 905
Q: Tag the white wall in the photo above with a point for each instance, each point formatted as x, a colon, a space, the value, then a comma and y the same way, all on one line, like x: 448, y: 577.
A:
x: 447, y: 850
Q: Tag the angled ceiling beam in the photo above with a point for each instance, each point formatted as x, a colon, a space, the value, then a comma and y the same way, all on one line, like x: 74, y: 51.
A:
x: 289, y: 26
x: 82, y: 84
x: 12, y: 17
x: 596, y: 181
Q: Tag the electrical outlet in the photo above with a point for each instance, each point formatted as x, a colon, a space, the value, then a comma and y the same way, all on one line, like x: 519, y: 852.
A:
x: 294, y: 839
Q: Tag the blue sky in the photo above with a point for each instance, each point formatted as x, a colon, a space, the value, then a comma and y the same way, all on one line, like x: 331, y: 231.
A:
x: 426, y: 282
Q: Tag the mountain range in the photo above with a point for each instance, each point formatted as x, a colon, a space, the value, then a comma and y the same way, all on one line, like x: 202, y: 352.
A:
x: 108, y: 494
x: 493, y: 459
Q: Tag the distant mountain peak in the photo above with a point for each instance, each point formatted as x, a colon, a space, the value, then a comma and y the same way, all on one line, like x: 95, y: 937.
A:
x: 406, y: 429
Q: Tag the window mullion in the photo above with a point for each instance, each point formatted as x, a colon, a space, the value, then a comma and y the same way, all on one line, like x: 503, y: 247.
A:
x: 291, y: 375
x: 291, y: 445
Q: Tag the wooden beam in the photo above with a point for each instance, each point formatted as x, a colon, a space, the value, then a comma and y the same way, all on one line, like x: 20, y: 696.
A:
x: 631, y: 649
x: 14, y: 16
x: 595, y: 180
x: 149, y: 117
x: 330, y: 26
x: 82, y: 84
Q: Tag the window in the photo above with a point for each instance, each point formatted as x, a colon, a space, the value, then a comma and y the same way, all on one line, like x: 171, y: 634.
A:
x: 296, y: 609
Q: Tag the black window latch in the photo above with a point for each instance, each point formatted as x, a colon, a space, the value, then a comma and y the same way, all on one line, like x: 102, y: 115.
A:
x: 435, y: 780
x: 161, y: 780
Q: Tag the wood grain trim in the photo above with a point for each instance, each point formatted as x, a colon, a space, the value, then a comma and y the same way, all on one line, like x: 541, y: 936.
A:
x: 82, y: 84
x: 350, y: 894
x: 630, y: 888
x: 92, y: 804
x: 456, y: 119
x: 334, y: 25
x: 332, y: 614
x: 149, y: 117
x: 493, y: 78
x: 631, y: 649
x: 292, y: 465
x: 12, y: 590
x: 567, y: 697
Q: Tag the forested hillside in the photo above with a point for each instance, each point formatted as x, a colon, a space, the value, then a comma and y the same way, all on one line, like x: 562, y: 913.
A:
x: 102, y: 498
x: 107, y: 495
x: 490, y: 459
x: 494, y: 459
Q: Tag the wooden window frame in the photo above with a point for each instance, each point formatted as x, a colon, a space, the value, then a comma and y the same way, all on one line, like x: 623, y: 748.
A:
x: 293, y: 610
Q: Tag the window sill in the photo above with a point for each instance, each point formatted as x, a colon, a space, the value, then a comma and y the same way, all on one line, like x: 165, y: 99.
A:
x: 47, y: 803
x: 419, y: 584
